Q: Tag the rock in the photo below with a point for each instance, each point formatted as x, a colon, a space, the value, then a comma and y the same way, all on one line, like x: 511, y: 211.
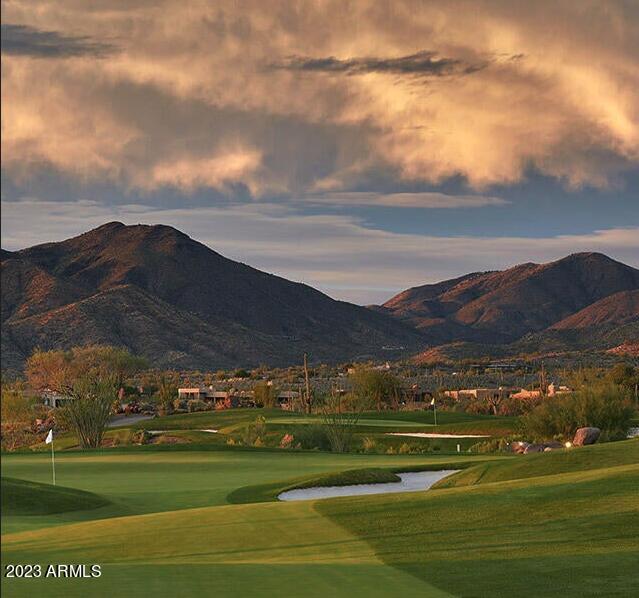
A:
x: 534, y: 448
x: 519, y: 447
x: 551, y: 445
x: 586, y: 436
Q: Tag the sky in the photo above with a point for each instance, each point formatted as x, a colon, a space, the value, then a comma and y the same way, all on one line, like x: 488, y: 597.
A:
x: 362, y: 147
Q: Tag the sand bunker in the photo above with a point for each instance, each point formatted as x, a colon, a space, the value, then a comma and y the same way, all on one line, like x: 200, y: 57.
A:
x: 434, y: 435
x: 410, y: 482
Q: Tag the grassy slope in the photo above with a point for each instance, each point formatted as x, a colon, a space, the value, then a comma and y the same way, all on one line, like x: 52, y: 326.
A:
x: 571, y: 531
x: 21, y: 497
x: 576, y: 459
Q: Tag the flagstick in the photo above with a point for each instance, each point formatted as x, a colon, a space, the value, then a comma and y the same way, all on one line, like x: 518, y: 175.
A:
x: 435, y: 413
x: 53, y: 461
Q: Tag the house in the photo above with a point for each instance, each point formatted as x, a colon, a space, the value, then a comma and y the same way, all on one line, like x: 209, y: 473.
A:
x: 554, y: 389
x: 480, y: 393
x: 527, y: 394
x: 54, y: 399
x: 192, y: 393
x: 286, y: 399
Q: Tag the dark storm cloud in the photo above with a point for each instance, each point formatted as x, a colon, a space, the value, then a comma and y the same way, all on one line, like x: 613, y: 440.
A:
x: 422, y: 63
x: 22, y: 40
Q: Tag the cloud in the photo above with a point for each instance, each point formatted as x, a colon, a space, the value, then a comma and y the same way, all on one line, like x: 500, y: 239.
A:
x: 425, y: 200
x: 336, y: 253
x: 421, y: 64
x: 23, y: 40
x: 183, y: 84
x: 214, y: 171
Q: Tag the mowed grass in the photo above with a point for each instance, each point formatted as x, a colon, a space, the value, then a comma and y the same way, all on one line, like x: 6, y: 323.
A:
x: 21, y: 497
x: 146, y: 479
x: 570, y: 529
x: 554, y: 524
x: 150, y: 539
x: 230, y: 420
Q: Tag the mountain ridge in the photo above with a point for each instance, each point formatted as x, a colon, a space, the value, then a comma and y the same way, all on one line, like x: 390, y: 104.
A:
x: 173, y: 299
x: 221, y: 313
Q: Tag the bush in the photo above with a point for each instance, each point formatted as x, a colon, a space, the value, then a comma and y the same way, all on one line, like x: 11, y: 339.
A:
x: 255, y: 431
x: 369, y: 445
x: 405, y: 449
x: 193, y: 405
x: 313, y: 437
x: 607, y: 407
x: 141, y: 437
x: 494, y: 445
x: 179, y: 404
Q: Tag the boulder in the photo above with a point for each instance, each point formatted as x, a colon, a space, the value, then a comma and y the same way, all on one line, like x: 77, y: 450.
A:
x: 552, y: 445
x: 519, y: 447
x: 534, y: 448
x: 586, y: 436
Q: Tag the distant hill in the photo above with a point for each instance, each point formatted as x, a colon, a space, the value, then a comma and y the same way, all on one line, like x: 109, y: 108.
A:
x: 584, y: 292
x: 163, y: 295
x: 158, y: 292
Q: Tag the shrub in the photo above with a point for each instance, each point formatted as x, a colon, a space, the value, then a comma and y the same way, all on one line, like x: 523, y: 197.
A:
x: 141, y: 437
x: 369, y: 445
x: 255, y: 430
x: 179, y: 404
x: 607, y: 407
x: 287, y: 441
x: 494, y: 445
x: 194, y: 405
x: 405, y: 449
x: 313, y: 437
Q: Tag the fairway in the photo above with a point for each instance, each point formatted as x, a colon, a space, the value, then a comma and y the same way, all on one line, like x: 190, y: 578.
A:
x: 159, y: 523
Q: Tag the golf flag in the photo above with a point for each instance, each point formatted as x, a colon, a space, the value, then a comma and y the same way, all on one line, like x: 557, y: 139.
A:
x: 432, y: 403
x: 49, y: 440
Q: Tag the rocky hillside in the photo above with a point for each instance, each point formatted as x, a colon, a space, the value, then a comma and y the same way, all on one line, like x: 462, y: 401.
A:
x: 583, y: 290
x: 163, y: 295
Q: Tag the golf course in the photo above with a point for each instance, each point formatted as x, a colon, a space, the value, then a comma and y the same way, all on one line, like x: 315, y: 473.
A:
x: 203, y: 519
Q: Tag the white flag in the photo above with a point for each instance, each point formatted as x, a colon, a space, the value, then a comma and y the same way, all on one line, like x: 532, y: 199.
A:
x: 432, y: 403
x: 49, y: 438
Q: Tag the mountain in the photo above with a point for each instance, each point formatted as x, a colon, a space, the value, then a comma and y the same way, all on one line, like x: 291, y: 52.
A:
x: 619, y: 308
x: 578, y: 291
x: 162, y: 294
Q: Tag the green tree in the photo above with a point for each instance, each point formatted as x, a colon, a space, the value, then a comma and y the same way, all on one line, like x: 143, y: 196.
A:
x: 17, y: 415
x: 87, y: 415
x: 265, y: 394
x: 605, y: 406
x: 340, y: 415
x: 376, y: 389
x: 167, y: 392
x: 91, y: 376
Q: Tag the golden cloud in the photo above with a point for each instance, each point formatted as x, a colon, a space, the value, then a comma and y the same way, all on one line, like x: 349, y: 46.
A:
x: 305, y: 97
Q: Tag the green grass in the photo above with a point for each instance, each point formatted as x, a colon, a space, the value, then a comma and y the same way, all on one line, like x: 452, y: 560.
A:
x: 555, y: 524
x: 585, y: 458
x: 149, y: 479
x: 21, y: 497
x: 573, y: 533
